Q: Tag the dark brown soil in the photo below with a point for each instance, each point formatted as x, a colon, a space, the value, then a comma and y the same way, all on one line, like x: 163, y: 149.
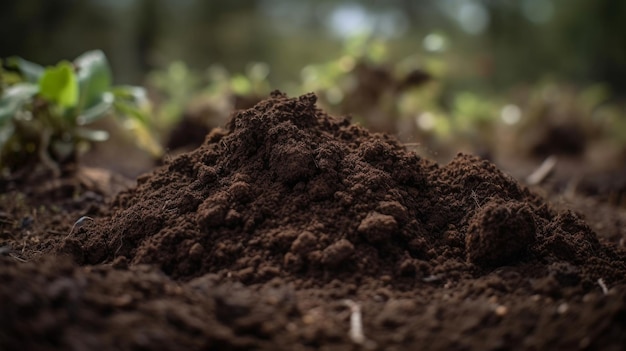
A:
x: 277, y: 230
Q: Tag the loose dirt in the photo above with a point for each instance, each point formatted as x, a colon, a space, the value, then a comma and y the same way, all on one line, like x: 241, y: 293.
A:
x: 280, y: 227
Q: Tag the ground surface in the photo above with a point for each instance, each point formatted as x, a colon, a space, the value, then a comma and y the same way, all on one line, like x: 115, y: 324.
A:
x: 290, y: 229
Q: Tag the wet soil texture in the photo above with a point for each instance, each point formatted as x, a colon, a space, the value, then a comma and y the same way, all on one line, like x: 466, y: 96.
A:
x: 291, y: 229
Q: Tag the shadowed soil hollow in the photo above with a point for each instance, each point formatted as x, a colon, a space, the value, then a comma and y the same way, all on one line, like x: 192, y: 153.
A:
x: 280, y: 226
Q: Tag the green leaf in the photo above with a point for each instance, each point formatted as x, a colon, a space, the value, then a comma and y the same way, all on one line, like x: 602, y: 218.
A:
x: 143, y: 137
x: 59, y: 84
x: 241, y: 85
x: 130, y: 92
x: 94, y: 77
x: 131, y: 111
x: 31, y: 71
x: 132, y: 101
x: 14, y: 97
x: 98, y: 110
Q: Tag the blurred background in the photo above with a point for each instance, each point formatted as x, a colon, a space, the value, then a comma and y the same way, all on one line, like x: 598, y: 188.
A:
x: 486, y: 44
x: 530, y: 78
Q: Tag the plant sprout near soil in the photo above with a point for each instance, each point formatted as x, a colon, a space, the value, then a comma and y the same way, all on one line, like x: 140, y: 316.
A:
x: 45, y: 111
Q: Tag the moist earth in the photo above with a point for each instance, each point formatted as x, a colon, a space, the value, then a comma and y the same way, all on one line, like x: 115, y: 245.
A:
x: 283, y: 226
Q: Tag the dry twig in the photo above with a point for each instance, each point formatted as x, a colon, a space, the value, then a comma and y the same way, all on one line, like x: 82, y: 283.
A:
x: 540, y: 174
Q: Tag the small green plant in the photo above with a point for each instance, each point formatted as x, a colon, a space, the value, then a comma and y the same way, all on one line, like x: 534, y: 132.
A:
x: 45, y: 111
x: 172, y: 88
x: 181, y: 90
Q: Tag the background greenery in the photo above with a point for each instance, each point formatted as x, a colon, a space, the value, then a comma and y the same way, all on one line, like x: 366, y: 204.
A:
x: 487, y: 44
x: 499, y: 68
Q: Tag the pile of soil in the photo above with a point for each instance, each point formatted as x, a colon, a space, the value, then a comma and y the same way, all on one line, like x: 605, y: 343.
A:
x: 257, y: 238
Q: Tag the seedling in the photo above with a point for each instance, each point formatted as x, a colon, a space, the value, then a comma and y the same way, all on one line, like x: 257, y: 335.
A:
x: 44, y: 111
x: 78, y: 224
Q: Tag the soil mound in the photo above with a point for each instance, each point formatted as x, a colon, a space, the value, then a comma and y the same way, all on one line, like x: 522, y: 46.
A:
x: 289, y: 191
x: 294, y: 230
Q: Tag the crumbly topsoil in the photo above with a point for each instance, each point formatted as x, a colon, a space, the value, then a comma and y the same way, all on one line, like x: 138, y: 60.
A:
x: 264, y: 230
x: 288, y: 191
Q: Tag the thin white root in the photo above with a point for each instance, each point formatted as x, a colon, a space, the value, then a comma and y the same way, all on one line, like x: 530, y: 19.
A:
x: 356, y: 326
x: 605, y: 290
x: 540, y: 174
x: 79, y: 223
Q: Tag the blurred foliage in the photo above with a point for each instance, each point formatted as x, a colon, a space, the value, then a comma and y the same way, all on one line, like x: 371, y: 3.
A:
x: 467, y: 72
x: 488, y: 45
x: 585, y: 114
x: 214, y: 93
x: 172, y: 88
x: 45, y: 111
x: 412, y: 97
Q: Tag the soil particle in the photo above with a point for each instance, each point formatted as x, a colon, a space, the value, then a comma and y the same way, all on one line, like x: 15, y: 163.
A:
x: 377, y: 228
x: 304, y: 243
x: 500, y: 233
x: 337, y: 253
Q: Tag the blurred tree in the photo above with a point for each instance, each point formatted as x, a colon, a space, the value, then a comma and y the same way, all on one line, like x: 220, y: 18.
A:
x: 26, y: 24
x: 147, y: 33
x: 593, y: 32
x: 491, y: 43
